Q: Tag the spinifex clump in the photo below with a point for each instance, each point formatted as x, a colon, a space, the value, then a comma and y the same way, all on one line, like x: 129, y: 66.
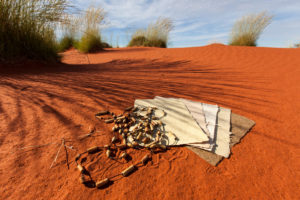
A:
x: 27, y: 28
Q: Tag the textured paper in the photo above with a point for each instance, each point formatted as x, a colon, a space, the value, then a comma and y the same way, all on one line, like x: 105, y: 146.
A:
x: 217, y: 121
x: 177, y: 120
x: 240, y: 126
x: 223, y: 133
x: 210, y: 113
x: 197, y: 113
x: 175, y: 102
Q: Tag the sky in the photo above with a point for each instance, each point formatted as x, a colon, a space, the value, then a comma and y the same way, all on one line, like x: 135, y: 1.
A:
x: 198, y: 22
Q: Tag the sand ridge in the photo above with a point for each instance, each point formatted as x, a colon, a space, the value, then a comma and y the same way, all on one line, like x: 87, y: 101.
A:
x: 41, y: 103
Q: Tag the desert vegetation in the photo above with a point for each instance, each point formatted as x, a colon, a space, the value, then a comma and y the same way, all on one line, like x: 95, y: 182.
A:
x: 247, y: 30
x: 83, y: 31
x: 297, y: 45
x: 69, y: 28
x: 27, y: 28
x: 156, y: 34
x: 90, y: 25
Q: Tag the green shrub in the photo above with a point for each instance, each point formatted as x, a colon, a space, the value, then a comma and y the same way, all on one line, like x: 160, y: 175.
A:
x: 91, y: 38
x: 156, y: 35
x: 143, y: 41
x: 105, y: 45
x: 66, y: 43
x: 137, y: 41
x: 297, y: 45
x: 27, y: 28
x: 90, y: 42
x: 69, y: 26
x: 243, y: 40
x: 247, y: 30
x: 155, y: 43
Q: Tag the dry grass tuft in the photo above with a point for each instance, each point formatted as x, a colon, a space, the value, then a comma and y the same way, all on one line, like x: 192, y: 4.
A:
x: 247, y: 30
x: 297, y: 45
x: 69, y: 27
x: 90, y: 24
x: 156, y: 35
x: 27, y: 28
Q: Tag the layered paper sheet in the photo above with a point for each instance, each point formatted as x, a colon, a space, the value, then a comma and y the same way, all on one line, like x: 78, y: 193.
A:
x: 240, y: 126
x: 177, y: 120
x: 222, y: 139
x: 196, y: 110
x: 175, y: 102
x: 210, y: 113
x: 206, y: 118
x: 195, y: 124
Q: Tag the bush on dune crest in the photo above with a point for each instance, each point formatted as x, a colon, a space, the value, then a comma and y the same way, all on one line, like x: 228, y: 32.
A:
x: 247, y: 30
x: 105, y: 45
x: 66, y: 43
x: 83, y: 31
x: 27, y: 28
x: 69, y: 27
x: 90, y: 42
x: 297, y: 45
x: 91, y: 38
x: 156, y: 35
x: 137, y: 40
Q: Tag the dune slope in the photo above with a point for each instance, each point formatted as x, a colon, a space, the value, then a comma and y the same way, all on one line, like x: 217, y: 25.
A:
x: 42, y: 104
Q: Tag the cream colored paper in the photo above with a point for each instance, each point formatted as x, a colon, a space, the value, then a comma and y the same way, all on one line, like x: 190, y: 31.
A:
x: 177, y: 120
x: 218, y: 124
x: 197, y: 112
x: 176, y: 102
x: 222, y: 146
x: 210, y: 113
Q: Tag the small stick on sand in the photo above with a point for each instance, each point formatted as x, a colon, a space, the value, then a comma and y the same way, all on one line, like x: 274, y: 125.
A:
x: 92, y: 131
x: 62, y: 144
x: 35, y: 146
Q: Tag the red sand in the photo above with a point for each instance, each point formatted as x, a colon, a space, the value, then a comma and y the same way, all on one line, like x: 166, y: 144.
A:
x: 41, y: 104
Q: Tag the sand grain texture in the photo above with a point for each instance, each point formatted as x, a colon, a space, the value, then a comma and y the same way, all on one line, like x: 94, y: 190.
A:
x: 42, y: 103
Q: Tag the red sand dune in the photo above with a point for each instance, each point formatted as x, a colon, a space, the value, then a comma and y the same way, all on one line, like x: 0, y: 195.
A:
x: 42, y: 103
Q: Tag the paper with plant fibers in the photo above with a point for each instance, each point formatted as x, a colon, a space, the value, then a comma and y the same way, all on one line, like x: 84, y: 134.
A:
x: 197, y: 113
x: 177, y: 120
x: 222, y: 139
x: 175, y: 102
x: 196, y: 110
x: 217, y: 121
x: 240, y: 126
x: 210, y: 113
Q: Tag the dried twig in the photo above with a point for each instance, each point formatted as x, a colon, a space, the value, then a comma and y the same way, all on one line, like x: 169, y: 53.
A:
x: 89, y: 134
x: 37, y: 146
x: 62, y: 144
x: 70, y: 147
x: 34, y: 146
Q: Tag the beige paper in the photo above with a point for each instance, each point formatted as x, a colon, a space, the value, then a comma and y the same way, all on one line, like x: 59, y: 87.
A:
x: 197, y: 113
x: 223, y: 133
x: 177, y: 120
x: 179, y: 103
x: 218, y: 124
x: 240, y: 126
